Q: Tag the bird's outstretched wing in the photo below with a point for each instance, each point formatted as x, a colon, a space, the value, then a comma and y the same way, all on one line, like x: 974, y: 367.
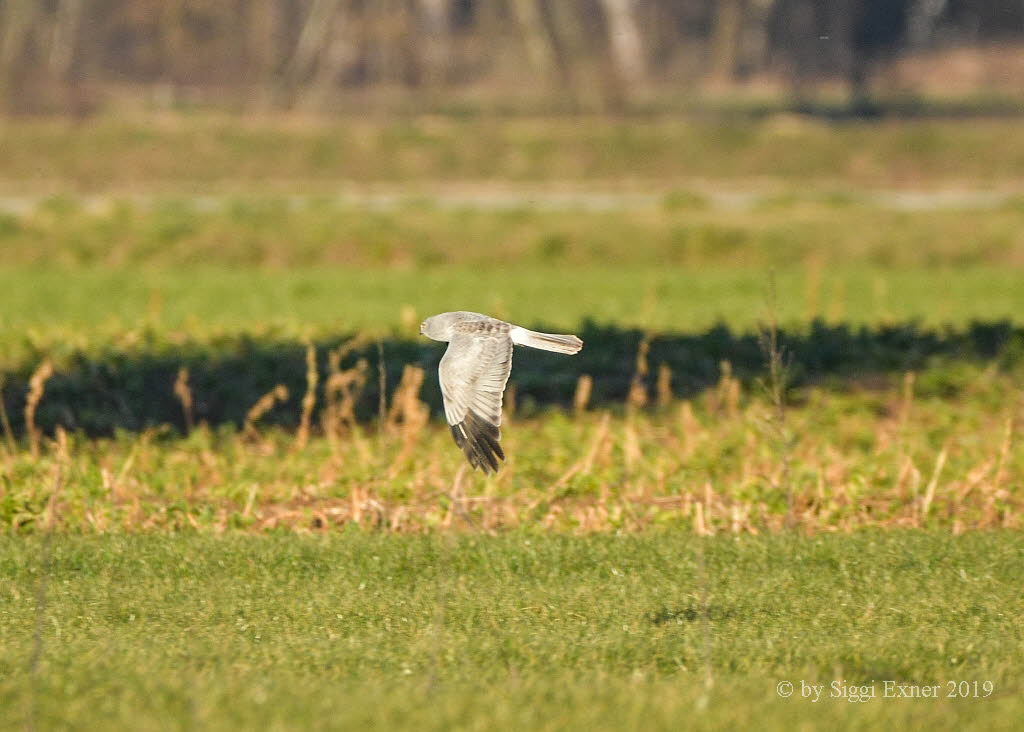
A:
x: 473, y: 373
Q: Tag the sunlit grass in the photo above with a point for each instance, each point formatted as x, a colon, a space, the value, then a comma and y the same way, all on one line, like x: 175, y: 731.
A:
x: 726, y: 462
x: 60, y: 308
x: 806, y: 229
x: 527, y: 630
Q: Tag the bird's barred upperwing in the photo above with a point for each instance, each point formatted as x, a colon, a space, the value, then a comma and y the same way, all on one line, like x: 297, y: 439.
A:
x: 473, y: 373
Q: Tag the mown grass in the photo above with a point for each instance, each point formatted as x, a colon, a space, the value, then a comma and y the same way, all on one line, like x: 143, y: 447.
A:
x: 208, y: 154
x: 681, y: 229
x: 524, y: 630
x: 56, y: 311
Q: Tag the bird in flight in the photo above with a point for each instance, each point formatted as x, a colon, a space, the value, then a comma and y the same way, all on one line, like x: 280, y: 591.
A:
x: 473, y: 373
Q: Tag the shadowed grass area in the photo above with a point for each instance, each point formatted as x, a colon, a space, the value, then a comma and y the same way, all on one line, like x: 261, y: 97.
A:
x: 101, y: 387
x: 523, y: 630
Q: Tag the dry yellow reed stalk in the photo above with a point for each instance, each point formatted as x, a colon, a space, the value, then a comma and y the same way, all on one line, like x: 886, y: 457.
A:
x: 408, y: 413
x: 338, y: 383
x: 727, y: 393
x: 36, y: 388
x: 263, y: 405
x: 585, y: 465
x: 906, y: 402
x: 184, y: 394
x: 700, y: 526
x: 405, y: 404
x: 974, y: 478
x: 637, y: 390
x: 735, y: 518
x: 111, y: 483
x: 708, y: 505
x: 689, y: 429
x: 59, y: 468
x: 1004, y: 450
x: 664, y: 388
x: 309, y: 399
x: 631, y: 444
x: 510, y: 400
x: 340, y: 394
x: 929, y: 493
x: 580, y: 400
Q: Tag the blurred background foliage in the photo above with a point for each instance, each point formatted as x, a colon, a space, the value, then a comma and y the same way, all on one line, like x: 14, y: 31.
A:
x: 78, y: 56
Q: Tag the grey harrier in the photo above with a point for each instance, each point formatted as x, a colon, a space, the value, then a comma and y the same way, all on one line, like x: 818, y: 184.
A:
x: 473, y: 373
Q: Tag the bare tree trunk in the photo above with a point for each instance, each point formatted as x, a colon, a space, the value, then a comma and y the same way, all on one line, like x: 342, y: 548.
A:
x: 311, y: 40
x: 18, y: 19
x: 65, y: 33
x: 390, y: 52
x: 725, y: 37
x: 435, y: 32
x: 539, y: 52
x: 63, y: 61
x: 173, y: 48
x: 570, y: 52
x: 754, y: 36
x: 625, y: 40
x: 341, y: 52
x: 263, y: 43
x: 924, y: 16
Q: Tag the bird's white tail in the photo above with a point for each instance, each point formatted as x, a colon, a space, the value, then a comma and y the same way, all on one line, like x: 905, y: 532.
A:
x: 546, y: 341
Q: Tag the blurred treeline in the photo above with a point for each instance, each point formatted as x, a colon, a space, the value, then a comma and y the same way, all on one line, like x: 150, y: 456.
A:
x: 75, y: 56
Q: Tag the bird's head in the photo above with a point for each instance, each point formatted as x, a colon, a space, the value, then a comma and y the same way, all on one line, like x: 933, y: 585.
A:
x: 436, y: 327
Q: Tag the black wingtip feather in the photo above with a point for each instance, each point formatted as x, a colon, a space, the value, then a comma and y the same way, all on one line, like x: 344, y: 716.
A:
x: 478, y: 439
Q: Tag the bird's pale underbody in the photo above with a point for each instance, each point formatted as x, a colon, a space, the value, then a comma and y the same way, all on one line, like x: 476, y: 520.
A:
x: 473, y: 373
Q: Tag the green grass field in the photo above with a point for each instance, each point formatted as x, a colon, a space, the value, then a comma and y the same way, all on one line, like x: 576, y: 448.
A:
x: 523, y: 630
x: 207, y: 154
x: 221, y: 508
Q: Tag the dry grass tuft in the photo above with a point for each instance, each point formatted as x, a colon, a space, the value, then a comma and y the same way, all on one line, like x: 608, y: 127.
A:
x: 711, y: 463
x: 36, y: 388
x: 263, y: 405
x: 184, y: 393
x: 581, y: 399
x: 309, y: 399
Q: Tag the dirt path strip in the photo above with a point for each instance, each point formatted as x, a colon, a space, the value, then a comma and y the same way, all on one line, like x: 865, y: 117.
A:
x: 487, y: 197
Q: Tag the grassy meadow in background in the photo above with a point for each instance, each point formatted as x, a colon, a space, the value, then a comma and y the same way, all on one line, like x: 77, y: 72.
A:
x: 790, y: 448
